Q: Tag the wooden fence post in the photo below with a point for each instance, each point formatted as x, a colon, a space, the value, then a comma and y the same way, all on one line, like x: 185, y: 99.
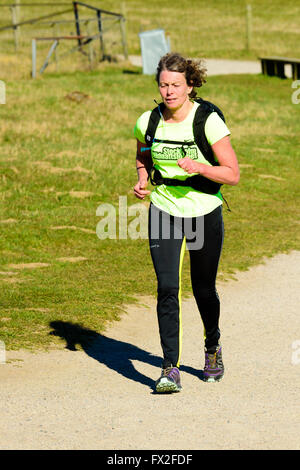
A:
x: 124, y: 30
x: 91, y: 49
x: 15, y: 18
x: 248, y: 26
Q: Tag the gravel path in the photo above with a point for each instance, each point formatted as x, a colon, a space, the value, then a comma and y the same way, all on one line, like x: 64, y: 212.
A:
x: 102, y: 397
x: 219, y: 66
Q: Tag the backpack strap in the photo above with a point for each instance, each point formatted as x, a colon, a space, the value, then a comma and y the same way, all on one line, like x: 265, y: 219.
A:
x: 201, y: 115
x: 155, y: 116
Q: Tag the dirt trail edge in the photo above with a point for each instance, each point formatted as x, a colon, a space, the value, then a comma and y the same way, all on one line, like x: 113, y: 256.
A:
x: 102, y: 397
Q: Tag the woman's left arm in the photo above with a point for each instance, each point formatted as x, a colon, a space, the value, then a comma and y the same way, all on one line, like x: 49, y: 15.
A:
x: 228, y: 170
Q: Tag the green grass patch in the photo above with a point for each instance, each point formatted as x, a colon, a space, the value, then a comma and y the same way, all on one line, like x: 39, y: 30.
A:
x: 61, y: 159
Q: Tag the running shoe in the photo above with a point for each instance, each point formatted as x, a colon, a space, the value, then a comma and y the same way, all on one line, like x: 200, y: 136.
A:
x: 214, y: 368
x: 169, y: 380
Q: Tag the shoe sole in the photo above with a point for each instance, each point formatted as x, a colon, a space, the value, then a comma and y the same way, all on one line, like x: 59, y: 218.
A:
x: 165, y: 386
x: 212, y: 379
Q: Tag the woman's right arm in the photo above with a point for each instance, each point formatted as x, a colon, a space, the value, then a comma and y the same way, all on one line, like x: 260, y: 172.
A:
x: 143, y: 166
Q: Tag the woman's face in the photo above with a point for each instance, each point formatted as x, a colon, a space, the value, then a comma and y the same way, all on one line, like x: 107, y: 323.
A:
x: 173, y: 89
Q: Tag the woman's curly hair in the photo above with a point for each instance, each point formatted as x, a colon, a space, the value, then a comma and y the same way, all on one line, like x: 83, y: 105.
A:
x: 194, y: 70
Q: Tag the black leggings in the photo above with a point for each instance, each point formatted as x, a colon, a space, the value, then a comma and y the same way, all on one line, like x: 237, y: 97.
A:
x: 168, y: 236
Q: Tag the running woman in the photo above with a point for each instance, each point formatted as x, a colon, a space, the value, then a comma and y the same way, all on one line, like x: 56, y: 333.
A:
x: 180, y: 214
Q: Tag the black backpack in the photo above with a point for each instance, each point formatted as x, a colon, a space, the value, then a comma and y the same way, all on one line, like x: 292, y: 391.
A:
x: 197, y: 182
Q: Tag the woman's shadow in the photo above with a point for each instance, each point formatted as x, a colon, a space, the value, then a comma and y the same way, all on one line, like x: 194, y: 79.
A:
x: 115, y: 354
